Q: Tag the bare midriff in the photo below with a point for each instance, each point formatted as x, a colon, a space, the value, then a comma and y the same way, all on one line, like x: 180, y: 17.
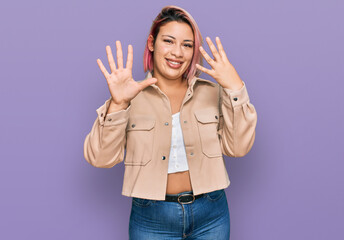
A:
x: 178, y: 182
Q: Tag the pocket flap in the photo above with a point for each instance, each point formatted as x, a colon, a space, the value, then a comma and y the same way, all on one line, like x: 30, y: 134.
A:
x: 140, y: 123
x: 207, y: 115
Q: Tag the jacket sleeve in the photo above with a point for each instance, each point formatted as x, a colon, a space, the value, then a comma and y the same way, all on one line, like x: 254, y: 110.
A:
x: 238, y: 120
x: 104, y: 145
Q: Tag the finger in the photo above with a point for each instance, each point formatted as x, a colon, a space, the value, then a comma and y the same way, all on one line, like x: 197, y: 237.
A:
x: 130, y: 57
x: 207, y: 57
x: 110, y: 58
x: 119, y: 54
x: 147, y: 82
x: 103, y: 69
x: 203, y: 69
x: 221, y: 50
x: 213, y: 49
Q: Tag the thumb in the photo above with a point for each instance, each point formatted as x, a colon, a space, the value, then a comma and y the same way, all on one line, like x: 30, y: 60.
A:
x: 147, y: 82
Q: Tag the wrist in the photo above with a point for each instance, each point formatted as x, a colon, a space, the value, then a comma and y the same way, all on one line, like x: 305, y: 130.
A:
x: 234, y: 86
x: 115, y: 107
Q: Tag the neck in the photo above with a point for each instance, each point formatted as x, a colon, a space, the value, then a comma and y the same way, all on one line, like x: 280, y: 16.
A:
x: 170, y: 85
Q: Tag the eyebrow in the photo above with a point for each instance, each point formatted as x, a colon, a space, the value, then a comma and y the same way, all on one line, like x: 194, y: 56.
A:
x: 187, y: 40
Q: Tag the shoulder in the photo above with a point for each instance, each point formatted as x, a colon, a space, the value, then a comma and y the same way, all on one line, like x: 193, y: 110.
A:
x: 199, y: 81
x: 205, y: 91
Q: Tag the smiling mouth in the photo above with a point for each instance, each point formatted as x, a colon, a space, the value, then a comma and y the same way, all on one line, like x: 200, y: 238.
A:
x: 174, y: 64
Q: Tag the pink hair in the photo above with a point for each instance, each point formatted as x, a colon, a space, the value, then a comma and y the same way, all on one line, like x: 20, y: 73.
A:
x: 168, y: 14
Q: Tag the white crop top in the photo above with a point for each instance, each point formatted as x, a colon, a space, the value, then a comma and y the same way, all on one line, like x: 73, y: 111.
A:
x: 177, y: 161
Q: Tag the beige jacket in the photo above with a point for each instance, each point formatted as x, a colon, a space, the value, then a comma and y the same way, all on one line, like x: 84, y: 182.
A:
x: 214, y: 121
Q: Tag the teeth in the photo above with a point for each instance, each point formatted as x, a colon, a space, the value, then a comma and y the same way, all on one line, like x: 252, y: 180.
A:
x: 174, y: 63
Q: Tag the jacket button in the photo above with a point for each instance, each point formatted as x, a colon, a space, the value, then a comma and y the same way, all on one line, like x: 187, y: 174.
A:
x: 191, y: 153
x: 235, y: 99
x: 216, y: 117
x: 185, y: 121
x: 109, y: 119
x: 163, y: 158
x: 166, y: 123
x: 101, y: 114
x: 133, y: 125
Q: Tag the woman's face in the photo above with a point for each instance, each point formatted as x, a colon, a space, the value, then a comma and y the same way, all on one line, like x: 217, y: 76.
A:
x: 173, y: 50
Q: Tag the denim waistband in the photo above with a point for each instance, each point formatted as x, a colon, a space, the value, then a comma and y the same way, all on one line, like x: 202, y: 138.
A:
x: 177, y: 194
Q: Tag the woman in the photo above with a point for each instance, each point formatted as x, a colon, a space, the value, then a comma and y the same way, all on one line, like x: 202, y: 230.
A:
x: 175, y: 128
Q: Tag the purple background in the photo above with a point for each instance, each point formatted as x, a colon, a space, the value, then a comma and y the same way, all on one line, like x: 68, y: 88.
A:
x: 289, y: 53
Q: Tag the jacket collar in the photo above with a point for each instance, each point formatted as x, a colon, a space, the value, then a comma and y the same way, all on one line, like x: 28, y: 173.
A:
x: 192, y: 82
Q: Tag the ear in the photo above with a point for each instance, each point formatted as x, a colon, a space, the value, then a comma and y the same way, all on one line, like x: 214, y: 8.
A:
x: 150, y: 43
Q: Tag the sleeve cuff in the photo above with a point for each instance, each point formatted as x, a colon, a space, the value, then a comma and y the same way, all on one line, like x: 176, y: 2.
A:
x: 114, y: 118
x: 235, y: 98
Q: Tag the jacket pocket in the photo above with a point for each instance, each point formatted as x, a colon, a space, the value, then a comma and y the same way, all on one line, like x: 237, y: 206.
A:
x: 207, y: 123
x: 140, y: 140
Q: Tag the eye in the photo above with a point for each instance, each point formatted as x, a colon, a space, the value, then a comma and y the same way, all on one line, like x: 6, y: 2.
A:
x: 188, y: 45
x: 168, y: 40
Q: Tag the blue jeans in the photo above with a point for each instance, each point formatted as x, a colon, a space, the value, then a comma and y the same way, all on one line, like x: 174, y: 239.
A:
x: 207, y: 218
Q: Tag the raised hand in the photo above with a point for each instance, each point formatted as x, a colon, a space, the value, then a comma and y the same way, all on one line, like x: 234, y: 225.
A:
x: 121, y: 84
x: 222, y: 70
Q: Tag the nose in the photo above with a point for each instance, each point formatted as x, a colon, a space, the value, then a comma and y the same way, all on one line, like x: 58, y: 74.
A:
x: 177, y: 51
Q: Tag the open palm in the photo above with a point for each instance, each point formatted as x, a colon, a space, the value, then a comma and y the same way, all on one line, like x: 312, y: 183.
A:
x: 222, y: 70
x: 121, y: 84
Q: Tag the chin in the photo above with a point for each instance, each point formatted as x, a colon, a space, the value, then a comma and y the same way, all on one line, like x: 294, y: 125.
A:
x: 174, y: 73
